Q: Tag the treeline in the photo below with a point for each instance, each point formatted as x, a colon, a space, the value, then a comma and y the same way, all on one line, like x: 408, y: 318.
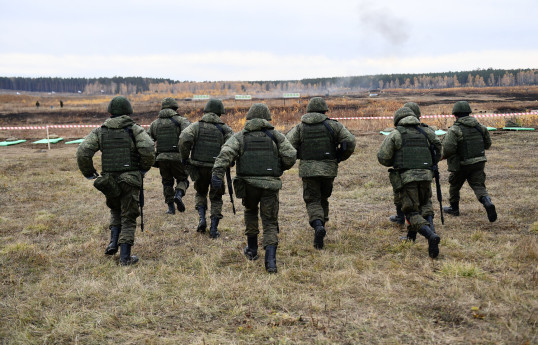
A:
x: 133, y: 85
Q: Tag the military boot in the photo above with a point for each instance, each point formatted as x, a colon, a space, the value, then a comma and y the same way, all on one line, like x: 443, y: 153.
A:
x: 202, y: 224
x: 454, y: 209
x: 433, y: 241
x: 429, y: 219
x: 251, y: 250
x: 179, y: 202
x: 319, y: 233
x: 213, y: 229
x: 270, y: 259
x: 171, y: 209
x: 125, y: 255
x: 490, y: 208
x: 112, y: 247
x: 399, y: 218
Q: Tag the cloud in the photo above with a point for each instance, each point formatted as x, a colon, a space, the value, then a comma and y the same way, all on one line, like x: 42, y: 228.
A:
x: 381, y: 21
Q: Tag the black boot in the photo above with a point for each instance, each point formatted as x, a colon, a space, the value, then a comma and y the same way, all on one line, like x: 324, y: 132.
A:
x: 490, y: 208
x: 171, y: 208
x: 213, y: 229
x: 202, y: 224
x: 179, y: 203
x: 454, y: 209
x: 251, y: 250
x: 429, y: 219
x: 319, y: 233
x: 125, y: 255
x: 399, y: 218
x: 112, y: 247
x: 270, y: 259
x: 433, y: 241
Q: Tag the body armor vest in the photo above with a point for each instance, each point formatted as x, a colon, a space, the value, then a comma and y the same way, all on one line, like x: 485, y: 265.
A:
x: 167, y: 136
x: 117, y: 155
x: 415, y: 152
x: 318, y: 143
x: 208, y: 143
x: 473, y: 143
x: 260, y: 156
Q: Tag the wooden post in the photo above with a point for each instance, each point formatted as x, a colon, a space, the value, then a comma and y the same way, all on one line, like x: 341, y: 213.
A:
x: 48, y: 139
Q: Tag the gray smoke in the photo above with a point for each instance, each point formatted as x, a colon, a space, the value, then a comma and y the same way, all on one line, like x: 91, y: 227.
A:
x: 383, y: 22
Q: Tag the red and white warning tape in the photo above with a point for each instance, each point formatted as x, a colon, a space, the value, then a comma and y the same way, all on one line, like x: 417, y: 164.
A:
x: 56, y: 126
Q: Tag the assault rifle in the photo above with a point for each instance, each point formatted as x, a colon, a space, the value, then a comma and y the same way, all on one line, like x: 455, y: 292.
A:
x: 141, y: 199
x: 230, y: 188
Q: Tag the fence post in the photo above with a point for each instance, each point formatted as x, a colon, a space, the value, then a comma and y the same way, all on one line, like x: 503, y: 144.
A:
x: 48, y: 139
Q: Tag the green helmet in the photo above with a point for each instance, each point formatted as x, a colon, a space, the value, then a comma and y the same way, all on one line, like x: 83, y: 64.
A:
x: 169, y: 103
x: 214, y: 106
x: 413, y: 106
x: 461, y: 107
x: 259, y: 111
x: 317, y: 105
x: 402, y: 113
x: 119, y: 105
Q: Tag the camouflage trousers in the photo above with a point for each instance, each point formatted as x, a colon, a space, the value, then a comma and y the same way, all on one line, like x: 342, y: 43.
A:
x: 124, y: 210
x: 202, y: 185
x: 268, y: 205
x: 476, y: 177
x: 316, y: 193
x: 416, y: 203
x: 171, y: 170
x: 397, y: 198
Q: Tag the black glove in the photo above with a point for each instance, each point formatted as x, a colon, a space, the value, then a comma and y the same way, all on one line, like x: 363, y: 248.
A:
x: 216, y: 182
x: 93, y: 176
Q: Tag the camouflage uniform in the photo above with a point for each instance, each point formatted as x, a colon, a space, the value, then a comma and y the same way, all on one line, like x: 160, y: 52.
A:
x: 210, y: 131
x: 124, y: 200
x: 260, y: 189
x: 415, y: 182
x: 319, y: 169
x: 169, y: 160
x: 462, y: 168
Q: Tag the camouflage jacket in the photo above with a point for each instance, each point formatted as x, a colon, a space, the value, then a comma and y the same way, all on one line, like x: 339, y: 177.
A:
x: 92, y: 144
x: 393, y: 143
x: 188, y: 137
x: 327, y: 167
x: 454, y: 138
x: 164, y: 116
x: 233, y: 148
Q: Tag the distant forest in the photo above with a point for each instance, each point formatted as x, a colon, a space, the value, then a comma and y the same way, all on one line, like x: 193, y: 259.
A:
x: 132, y: 85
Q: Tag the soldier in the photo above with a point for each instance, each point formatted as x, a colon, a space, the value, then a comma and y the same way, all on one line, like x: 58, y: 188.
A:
x: 165, y: 131
x: 464, y: 148
x: 407, y: 150
x: 321, y: 144
x: 202, y: 141
x: 262, y: 154
x: 127, y: 154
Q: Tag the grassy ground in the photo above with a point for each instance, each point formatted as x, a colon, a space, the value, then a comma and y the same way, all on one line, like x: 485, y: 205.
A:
x: 365, y: 287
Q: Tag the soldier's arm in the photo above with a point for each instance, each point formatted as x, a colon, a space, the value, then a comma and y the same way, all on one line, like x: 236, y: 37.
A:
x: 294, y: 137
x: 145, y: 147
x: 344, y: 135
x: 386, y: 151
x: 450, y: 143
x: 85, y: 153
x: 151, y: 131
x: 186, y: 140
x: 228, y: 132
x: 184, y: 123
x: 286, y: 151
x: 438, y: 146
x: 228, y: 153
x: 487, y: 138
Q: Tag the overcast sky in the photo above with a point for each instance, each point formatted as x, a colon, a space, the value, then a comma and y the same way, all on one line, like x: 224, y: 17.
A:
x: 263, y: 40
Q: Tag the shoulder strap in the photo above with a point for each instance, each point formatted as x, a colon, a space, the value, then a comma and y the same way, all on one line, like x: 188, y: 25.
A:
x: 432, y: 149
x: 477, y: 127
x: 220, y: 128
x: 270, y: 135
x: 175, y: 122
x: 330, y: 129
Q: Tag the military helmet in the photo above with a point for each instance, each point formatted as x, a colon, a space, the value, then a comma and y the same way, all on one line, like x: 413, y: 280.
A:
x: 402, y: 113
x: 413, y: 106
x: 169, y: 103
x: 214, y: 106
x: 461, y: 107
x: 259, y: 111
x: 120, y: 105
x: 317, y: 105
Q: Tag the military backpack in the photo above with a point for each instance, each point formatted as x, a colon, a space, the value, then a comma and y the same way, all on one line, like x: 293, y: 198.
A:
x: 260, y: 155
x: 415, y: 152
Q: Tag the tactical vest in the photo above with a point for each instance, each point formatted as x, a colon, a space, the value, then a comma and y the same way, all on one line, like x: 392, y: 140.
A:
x: 415, y: 152
x: 260, y: 156
x: 117, y: 155
x: 208, y: 143
x: 318, y: 142
x: 473, y: 143
x: 167, y: 136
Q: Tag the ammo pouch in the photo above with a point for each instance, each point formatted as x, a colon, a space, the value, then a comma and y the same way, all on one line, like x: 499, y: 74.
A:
x: 239, y: 187
x: 395, y: 179
x: 108, y: 186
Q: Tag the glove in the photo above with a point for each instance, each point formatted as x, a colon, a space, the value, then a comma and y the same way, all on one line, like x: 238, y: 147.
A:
x: 92, y: 176
x: 216, y: 182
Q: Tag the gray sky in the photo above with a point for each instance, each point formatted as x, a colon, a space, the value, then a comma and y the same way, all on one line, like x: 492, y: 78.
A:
x: 263, y: 40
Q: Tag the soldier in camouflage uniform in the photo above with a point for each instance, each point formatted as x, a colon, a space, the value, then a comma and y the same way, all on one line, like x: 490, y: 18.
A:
x: 464, y: 147
x: 262, y: 154
x: 127, y: 154
x: 202, y: 142
x: 321, y: 144
x: 407, y: 150
x: 165, y: 131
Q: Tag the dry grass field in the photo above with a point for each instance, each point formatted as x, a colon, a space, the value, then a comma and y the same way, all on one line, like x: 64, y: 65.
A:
x: 365, y: 287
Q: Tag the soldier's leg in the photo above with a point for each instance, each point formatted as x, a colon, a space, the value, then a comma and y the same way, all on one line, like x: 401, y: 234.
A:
x: 201, y: 186
x: 182, y: 183
x: 312, y: 199
x: 130, y: 210
x: 215, y: 197
x: 250, y: 202
x: 426, y: 206
x: 168, y: 185
x: 326, y: 189
x: 115, y: 225
x: 456, y: 180
x: 269, y: 214
x: 411, y: 208
x: 477, y: 181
